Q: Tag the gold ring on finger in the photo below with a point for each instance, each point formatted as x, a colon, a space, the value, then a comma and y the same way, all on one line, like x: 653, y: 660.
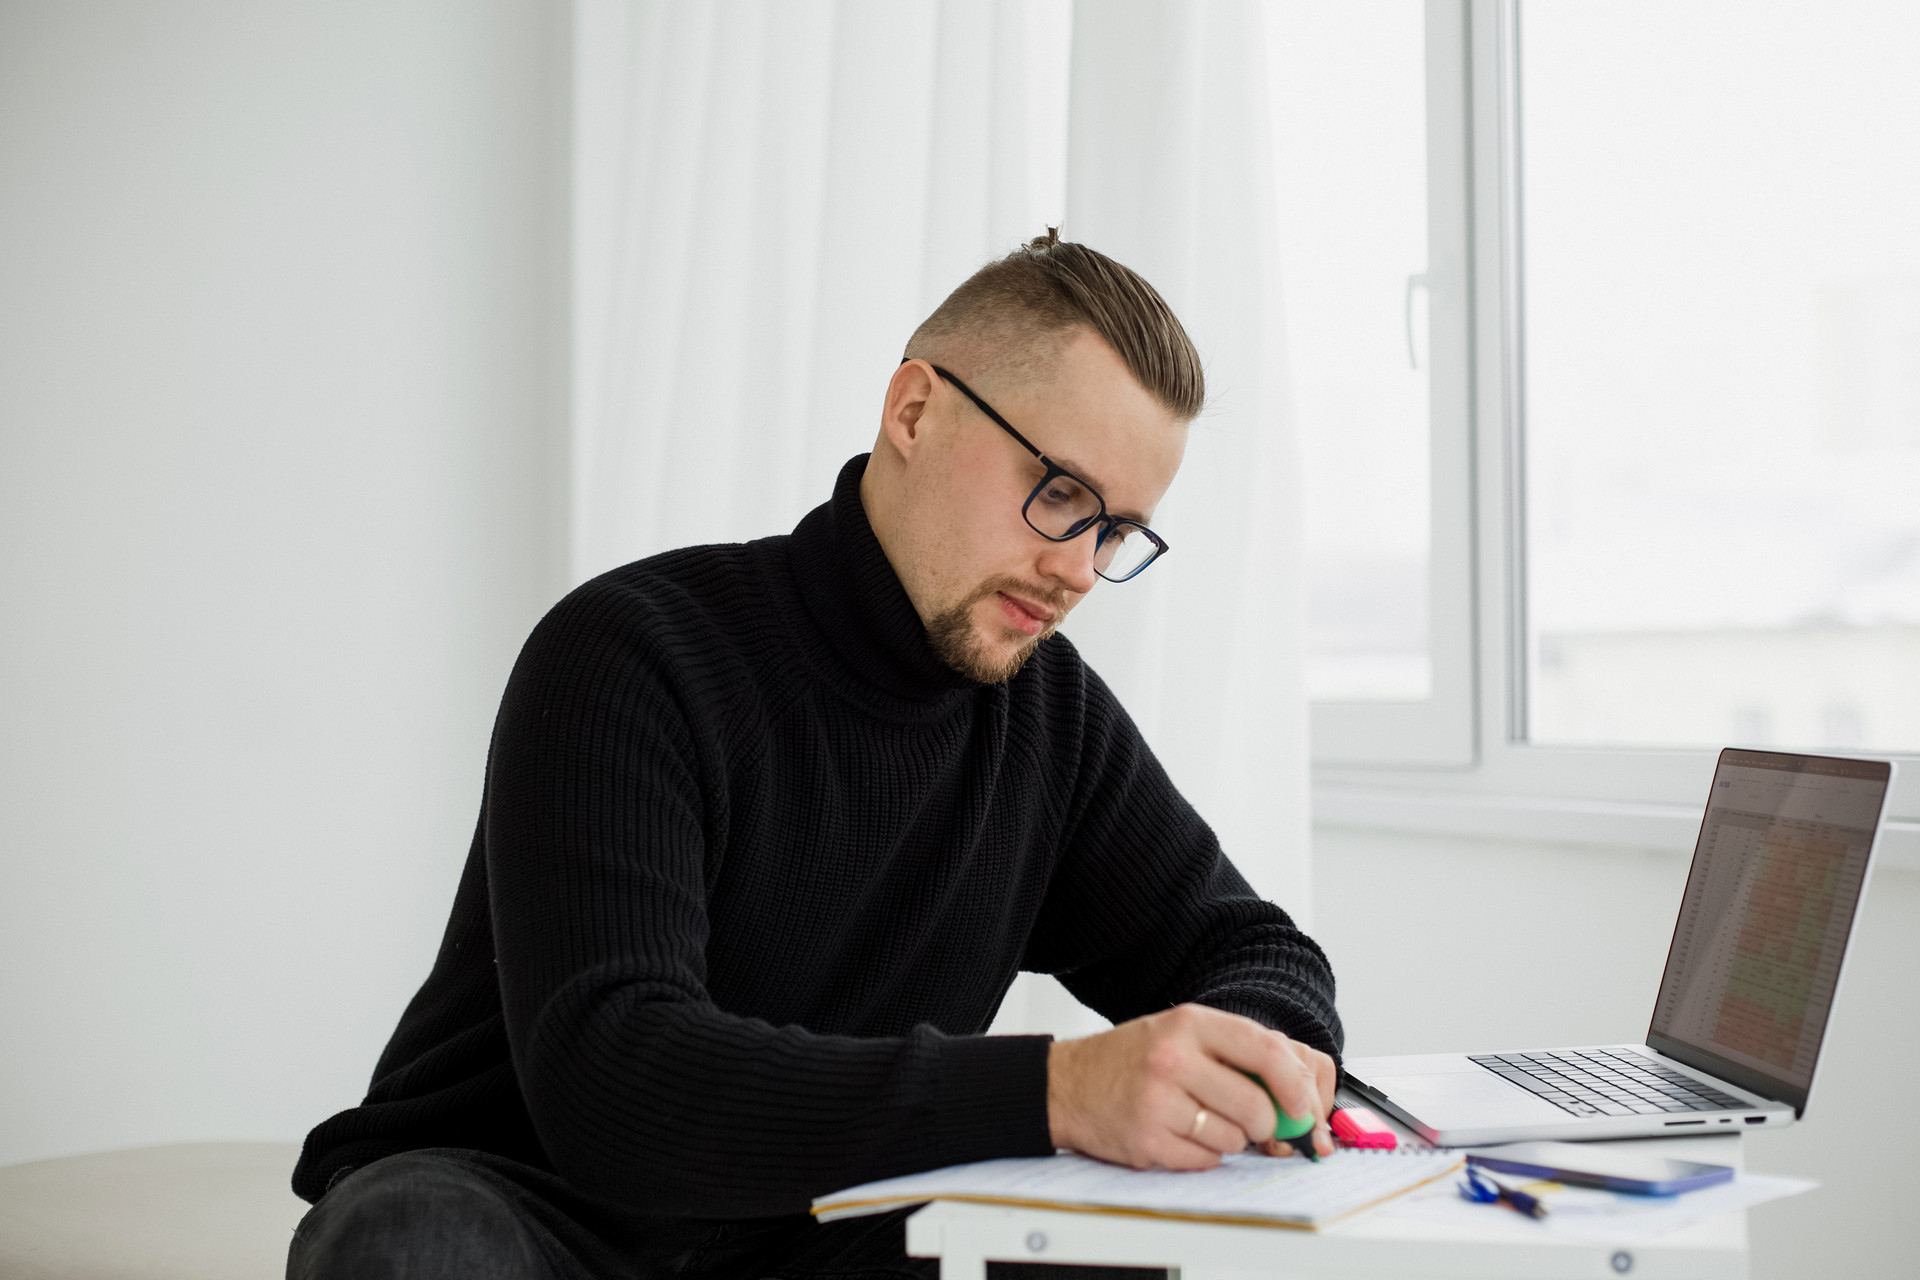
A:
x: 1199, y: 1122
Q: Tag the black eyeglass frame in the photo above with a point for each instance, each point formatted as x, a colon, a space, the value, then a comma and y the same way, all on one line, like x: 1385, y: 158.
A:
x: 1106, y: 523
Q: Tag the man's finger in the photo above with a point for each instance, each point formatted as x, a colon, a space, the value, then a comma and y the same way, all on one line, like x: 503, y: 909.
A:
x: 1230, y: 1093
x: 1279, y: 1062
x: 1326, y: 1075
x: 1209, y: 1128
x: 1291, y: 1080
x: 1182, y: 1152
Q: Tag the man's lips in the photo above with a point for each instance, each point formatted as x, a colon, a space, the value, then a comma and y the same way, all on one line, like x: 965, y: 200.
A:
x: 1030, y: 619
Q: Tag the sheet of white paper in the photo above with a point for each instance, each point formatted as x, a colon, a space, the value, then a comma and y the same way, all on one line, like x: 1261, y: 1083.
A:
x: 1289, y: 1190
x: 1583, y: 1213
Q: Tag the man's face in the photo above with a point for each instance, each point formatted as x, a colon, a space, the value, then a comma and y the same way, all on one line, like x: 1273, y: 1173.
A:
x: 986, y: 584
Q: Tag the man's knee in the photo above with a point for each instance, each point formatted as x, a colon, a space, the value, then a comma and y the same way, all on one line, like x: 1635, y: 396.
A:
x: 415, y: 1216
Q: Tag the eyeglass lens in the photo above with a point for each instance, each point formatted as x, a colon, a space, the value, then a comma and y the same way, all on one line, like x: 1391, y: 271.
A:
x: 1063, y: 508
x: 1122, y: 552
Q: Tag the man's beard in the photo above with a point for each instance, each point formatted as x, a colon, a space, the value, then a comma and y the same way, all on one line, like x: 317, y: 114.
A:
x: 953, y: 636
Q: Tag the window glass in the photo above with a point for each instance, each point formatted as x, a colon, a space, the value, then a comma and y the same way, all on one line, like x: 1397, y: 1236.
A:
x: 1722, y: 354
x: 1349, y: 108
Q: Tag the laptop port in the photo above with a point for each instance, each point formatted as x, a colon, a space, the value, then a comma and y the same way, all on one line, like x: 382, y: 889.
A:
x: 1756, y: 1119
x: 1675, y: 1124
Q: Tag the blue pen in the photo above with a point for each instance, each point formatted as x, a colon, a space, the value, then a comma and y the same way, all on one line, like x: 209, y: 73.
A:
x: 1483, y: 1188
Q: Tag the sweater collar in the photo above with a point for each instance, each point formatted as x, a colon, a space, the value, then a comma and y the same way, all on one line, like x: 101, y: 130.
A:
x: 855, y: 598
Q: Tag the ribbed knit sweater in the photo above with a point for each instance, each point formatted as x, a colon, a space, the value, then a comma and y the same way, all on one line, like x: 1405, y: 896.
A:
x: 753, y: 871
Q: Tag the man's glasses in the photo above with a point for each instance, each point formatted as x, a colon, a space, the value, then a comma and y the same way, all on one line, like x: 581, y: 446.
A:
x: 1063, y: 506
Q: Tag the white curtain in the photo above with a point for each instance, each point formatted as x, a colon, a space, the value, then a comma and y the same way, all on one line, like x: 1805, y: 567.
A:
x: 770, y: 196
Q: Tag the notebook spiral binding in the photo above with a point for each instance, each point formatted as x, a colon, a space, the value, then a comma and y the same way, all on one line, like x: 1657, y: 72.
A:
x: 1407, y: 1147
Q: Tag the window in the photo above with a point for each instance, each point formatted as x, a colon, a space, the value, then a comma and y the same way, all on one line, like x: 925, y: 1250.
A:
x: 1722, y: 337
x: 1672, y: 414
x: 1351, y: 151
x: 1370, y: 136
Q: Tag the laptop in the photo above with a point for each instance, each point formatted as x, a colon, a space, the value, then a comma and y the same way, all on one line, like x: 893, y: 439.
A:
x: 1778, y: 874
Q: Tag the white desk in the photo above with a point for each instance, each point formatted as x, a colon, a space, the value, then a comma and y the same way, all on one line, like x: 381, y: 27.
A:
x: 1374, y: 1244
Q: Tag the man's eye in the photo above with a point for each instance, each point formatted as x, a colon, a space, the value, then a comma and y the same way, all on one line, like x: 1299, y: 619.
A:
x: 1059, y: 495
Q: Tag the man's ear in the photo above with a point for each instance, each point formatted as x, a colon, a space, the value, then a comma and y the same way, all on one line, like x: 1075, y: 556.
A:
x: 909, y: 392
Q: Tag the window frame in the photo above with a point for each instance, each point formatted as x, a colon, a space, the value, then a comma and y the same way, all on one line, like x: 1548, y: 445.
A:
x: 1443, y: 730
x: 1402, y: 767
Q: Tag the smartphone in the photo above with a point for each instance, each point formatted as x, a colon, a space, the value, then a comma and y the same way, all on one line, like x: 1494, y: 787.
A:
x: 1583, y: 1164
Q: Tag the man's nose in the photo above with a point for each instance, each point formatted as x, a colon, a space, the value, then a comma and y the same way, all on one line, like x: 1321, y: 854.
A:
x: 1070, y: 563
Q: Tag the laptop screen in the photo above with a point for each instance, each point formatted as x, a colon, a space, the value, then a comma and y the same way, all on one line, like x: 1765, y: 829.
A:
x: 1770, y: 900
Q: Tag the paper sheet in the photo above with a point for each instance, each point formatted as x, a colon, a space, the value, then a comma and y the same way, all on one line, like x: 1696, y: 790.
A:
x: 1242, y: 1188
x: 1583, y: 1213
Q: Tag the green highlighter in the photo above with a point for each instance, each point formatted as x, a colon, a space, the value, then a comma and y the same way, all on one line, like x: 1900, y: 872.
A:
x: 1286, y: 1128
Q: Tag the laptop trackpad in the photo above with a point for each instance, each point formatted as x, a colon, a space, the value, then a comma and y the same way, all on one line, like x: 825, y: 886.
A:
x: 1465, y: 1099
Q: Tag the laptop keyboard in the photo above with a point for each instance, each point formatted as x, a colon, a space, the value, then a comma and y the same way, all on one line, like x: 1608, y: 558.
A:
x: 1597, y: 1082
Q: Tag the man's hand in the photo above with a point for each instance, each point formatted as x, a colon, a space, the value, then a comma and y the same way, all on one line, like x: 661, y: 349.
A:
x: 1167, y: 1089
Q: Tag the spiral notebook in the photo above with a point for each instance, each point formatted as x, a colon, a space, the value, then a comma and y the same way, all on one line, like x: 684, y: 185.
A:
x: 1245, y: 1190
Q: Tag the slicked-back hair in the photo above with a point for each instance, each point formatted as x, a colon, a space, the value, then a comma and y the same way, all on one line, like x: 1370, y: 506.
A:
x: 1049, y: 286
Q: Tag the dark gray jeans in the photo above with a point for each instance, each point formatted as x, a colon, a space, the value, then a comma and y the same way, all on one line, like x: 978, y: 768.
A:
x: 464, y: 1215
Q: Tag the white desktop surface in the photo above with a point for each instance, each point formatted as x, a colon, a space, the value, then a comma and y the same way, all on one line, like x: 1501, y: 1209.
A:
x: 1371, y: 1244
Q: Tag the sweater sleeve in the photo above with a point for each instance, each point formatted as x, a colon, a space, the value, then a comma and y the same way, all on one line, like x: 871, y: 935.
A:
x: 1145, y: 911
x: 605, y: 801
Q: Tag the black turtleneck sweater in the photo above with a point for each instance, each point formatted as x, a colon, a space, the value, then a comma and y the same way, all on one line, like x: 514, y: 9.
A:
x: 753, y: 871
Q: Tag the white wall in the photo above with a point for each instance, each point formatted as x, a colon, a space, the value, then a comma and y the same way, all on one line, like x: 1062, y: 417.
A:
x: 1447, y: 944
x: 282, y: 415
x: 282, y: 359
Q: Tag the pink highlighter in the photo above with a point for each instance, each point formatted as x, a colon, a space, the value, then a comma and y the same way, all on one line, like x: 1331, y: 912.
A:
x: 1359, y: 1127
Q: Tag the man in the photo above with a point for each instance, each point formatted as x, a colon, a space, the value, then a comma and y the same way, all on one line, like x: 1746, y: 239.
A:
x: 768, y: 829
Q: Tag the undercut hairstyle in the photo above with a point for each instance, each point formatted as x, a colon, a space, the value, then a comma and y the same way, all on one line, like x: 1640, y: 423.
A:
x: 1022, y: 309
